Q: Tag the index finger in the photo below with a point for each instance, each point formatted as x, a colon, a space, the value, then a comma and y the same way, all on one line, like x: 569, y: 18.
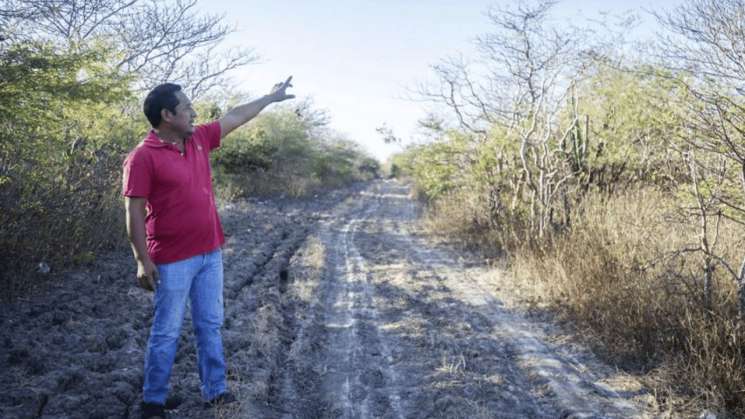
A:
x: 289, y: 79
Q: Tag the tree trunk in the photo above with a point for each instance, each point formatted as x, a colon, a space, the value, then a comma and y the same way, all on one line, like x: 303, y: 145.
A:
x: 741, y: 290
x: 708, y: 270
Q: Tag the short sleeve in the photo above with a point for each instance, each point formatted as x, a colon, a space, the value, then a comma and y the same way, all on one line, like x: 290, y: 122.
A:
x: 137, y: 175
x: 209, y: 134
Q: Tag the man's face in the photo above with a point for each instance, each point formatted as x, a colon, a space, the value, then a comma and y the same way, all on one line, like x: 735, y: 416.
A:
x: 183, y: 120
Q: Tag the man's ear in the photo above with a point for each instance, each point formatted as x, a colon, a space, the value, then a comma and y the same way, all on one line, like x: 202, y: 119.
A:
x: 165, y: 115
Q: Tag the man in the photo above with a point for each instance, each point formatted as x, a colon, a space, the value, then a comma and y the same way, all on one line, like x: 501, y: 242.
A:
x: 175, y: 233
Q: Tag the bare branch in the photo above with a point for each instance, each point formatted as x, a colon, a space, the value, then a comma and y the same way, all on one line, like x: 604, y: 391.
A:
x: 156, y: 40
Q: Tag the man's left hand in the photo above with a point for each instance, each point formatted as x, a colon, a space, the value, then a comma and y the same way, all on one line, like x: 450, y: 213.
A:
x: 279, y: 91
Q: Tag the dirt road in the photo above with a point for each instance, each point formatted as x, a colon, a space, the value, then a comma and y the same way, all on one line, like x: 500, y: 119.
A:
x: 338, y: 308
x: 400, y: 328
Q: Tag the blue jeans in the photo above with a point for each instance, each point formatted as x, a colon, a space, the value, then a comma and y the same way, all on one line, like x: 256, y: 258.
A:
x: 200, y: 279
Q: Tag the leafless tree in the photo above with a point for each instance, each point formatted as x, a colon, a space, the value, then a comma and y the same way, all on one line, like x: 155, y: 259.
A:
x: 526, y: 76
x: 155, y: 40
x: 709, y: 215
x: 704, y: 48
x: 706, y: 38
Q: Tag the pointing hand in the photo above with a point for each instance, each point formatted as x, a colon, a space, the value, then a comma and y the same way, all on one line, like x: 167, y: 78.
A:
x: 279, y: 91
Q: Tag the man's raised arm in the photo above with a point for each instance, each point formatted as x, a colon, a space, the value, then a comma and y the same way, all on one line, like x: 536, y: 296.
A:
x: 244, y: 113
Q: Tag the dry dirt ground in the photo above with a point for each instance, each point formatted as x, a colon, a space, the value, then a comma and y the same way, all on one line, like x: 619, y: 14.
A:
x: 339, y: 307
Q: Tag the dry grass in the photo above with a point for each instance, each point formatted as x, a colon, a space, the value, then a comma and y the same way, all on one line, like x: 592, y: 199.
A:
x: 267, y: 337
x: 307, y: 269
x: 616, y: 271
x: 460, y: 217
x: 618, y: 274
x: 453, y: 365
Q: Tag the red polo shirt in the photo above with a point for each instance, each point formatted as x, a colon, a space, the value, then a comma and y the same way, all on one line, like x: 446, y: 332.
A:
x: 182, y: 218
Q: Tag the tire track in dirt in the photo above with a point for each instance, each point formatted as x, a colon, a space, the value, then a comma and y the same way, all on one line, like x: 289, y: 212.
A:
x: 362, y: 308
x: 453, y: 365
x: 311, y: 291
x: 339, y: 363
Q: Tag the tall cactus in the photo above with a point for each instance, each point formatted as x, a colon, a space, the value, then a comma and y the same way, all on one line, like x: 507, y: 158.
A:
x: 578, y: 137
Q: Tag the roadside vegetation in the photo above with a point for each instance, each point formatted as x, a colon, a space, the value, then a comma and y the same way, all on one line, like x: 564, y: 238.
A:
x: 609, y: 176
x: 72, y: 78
x: 289, y: 151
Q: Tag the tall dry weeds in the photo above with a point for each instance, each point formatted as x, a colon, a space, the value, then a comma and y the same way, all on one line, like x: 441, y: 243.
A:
x: 622, y: 273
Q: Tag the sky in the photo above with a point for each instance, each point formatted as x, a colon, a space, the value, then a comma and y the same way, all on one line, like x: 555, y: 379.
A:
x: 360, y: 60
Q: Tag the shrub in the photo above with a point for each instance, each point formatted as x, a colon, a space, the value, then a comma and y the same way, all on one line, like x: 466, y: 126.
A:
x: 283, y: 152
x: 61, y: 145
